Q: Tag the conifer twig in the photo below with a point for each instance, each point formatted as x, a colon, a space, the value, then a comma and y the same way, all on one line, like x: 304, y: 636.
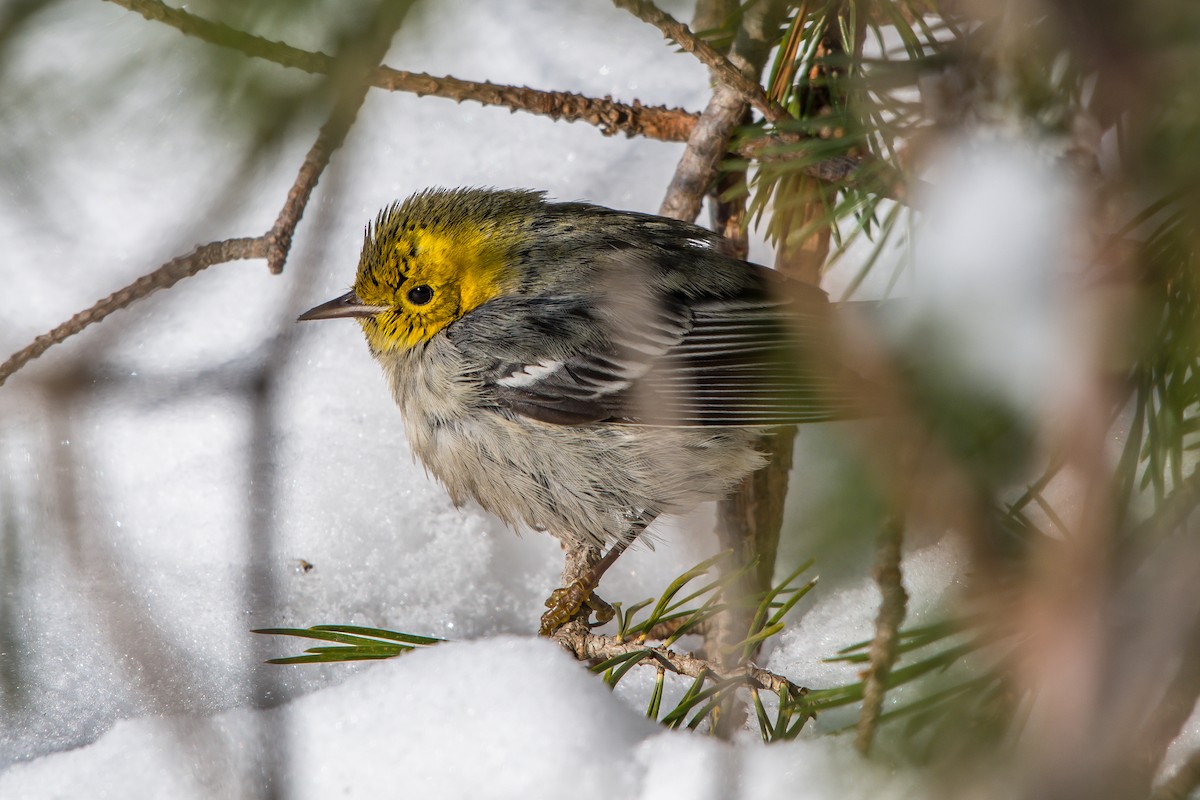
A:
x: 699, y: 163
x: 352, y: 71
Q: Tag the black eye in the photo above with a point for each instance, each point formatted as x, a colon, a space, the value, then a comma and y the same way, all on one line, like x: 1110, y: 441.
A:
x: 420, y: 295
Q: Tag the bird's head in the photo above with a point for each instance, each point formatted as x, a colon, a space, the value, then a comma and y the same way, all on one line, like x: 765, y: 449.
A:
x: 430, y: 260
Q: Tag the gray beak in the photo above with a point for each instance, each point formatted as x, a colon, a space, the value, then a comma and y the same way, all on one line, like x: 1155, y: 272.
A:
x: 348, y: 305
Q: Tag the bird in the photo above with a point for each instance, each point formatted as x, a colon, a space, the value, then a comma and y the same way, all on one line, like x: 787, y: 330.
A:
x: 584, y: 370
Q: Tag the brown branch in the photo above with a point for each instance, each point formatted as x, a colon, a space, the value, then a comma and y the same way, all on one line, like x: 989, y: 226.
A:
x: 609, y: 116
x: 698, y: 165
x: 887, y: 631
x: 697, y: 170
x: 721, y: 67
x: 586, y: 646
x: 275, y: 244
x: 164, y: 277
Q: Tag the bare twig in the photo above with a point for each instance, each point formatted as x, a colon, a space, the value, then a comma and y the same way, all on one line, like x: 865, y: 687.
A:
x: 727, y: 73
x: 164, y: 277
x: 275, y: 244
x: 606, y: 114
x: 590, y: 647
x: 887, y: 630
x: 708, y: 143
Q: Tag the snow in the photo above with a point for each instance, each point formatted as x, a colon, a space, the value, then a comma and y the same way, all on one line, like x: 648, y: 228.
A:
x: 393, y: 726
x: 506, y: 733
x: 157, y: 502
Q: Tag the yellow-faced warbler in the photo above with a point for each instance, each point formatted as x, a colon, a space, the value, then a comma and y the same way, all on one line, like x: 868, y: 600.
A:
x: 580, y: 369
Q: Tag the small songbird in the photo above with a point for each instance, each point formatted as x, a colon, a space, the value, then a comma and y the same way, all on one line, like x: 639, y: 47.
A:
x: 580, y: 369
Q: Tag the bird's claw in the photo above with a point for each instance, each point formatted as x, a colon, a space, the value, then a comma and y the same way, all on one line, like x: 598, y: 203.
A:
x: 565, y: 604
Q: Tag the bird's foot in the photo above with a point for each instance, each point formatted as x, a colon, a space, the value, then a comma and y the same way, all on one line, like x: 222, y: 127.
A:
x: 569, y: 602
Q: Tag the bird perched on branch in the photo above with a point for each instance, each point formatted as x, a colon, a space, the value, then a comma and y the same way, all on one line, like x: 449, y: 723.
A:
x: 580, y: 369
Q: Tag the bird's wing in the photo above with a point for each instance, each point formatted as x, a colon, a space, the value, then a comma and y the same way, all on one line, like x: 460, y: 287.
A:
x: 746, y: 359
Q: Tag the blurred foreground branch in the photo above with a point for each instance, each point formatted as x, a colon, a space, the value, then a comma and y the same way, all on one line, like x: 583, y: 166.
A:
x: 884, y: 646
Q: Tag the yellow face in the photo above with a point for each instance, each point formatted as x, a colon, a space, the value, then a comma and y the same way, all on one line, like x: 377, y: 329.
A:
x: 426, y: 271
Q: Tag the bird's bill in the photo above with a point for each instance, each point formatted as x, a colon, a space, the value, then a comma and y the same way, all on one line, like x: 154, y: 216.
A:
x: 346, y: 306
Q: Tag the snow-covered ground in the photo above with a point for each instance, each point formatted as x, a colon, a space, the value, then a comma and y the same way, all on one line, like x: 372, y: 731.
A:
x: 139, y: 544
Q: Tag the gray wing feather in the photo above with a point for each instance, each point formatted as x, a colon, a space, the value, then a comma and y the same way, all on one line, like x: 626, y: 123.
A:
x: 738, y: 360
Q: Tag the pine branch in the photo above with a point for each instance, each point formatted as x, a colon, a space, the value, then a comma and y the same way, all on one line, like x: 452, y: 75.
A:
x: 351, y: 71
x: 708, y: 143
x: 706, y: 147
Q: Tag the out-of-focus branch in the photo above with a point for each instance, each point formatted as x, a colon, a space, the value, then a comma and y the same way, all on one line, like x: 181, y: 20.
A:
x: 1180, y: 785
x: 273, y: 245
x: 887, y: 631
x: 351, y: 73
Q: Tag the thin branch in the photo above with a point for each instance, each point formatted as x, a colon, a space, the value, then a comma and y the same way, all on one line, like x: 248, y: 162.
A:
x: 275, y: 244
x: 696, y: 172
x: 589, y: 647
x: 606, y: 114
x: 728, y: 74
x: 887, y: 628
x: 609, y: 116
x: 352, y: 71
x: 164, y: 277
x: 698, y: 168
